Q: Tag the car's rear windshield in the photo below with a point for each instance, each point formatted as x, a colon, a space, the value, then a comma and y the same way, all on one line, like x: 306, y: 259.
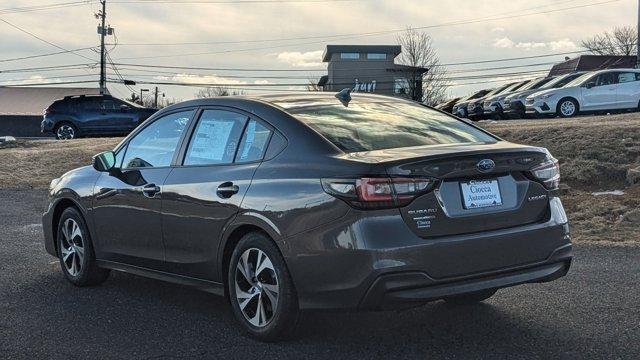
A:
x: 368, y: 125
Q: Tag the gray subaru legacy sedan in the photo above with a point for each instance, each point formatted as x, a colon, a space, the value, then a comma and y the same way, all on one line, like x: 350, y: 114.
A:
x: 313, y: 201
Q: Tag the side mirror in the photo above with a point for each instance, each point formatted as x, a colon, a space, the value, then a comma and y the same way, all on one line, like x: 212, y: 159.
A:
x: 124, y: 108
x: 590, y: 85
x: 105, y: 161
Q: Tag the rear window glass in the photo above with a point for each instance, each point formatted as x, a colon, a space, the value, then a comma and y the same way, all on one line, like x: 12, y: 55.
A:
x: 367, y: 125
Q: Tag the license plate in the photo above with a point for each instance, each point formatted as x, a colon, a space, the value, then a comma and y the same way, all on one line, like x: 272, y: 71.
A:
x: 478, y: 194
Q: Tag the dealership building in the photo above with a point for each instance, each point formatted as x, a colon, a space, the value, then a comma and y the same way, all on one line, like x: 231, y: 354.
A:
x: 370, y: 69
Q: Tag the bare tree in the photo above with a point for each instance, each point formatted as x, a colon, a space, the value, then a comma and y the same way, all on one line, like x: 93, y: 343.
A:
x: 621, y: 41
x: 418, y: 53
x: 215, y: 91
x: 313, y: 85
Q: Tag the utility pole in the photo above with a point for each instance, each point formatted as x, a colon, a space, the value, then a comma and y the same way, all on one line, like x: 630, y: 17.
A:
x: 141, y: 91
x: 103, y: 65
x: 638, y: 40
x: 155, y: 98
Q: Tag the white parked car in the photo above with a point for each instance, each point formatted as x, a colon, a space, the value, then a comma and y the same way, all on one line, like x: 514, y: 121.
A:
x: 614, y: 89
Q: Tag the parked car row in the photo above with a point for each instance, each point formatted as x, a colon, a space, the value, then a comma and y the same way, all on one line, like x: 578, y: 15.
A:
x: 564, y: 96
x: 84, y: 115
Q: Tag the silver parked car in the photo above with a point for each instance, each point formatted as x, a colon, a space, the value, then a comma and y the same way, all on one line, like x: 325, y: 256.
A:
x: 615, y: 89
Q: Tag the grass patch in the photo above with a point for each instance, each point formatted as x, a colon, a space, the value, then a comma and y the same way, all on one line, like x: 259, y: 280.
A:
x: 595, y: 154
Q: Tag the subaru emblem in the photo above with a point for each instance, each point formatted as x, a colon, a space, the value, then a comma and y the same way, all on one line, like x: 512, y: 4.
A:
x: 485, y: 165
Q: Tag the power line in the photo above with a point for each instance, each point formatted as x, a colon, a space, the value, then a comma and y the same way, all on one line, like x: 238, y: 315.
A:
x: 235, y: 2
x: 48, y: 54
x: 347, y: 35
x: 201, y: 84
x: 357, y: 35
x: 41, y: 39
x: 50, y: 83
x: 48, y: 78
x: 53, y: 67
x: 25, y: 9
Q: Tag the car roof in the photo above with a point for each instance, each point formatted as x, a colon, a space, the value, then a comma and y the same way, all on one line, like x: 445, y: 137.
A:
x: 247, y: 102
x: 615, y: 70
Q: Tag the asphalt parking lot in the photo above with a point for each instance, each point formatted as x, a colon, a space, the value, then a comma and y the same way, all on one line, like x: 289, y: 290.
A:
x: 594, y: 312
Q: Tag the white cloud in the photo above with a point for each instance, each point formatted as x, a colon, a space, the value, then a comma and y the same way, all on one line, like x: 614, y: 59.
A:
x: 503, y: 43
x: 498, y: 29
x: 301, y: 59
x: 530, y: 45
x: 563, y: 44
x: 205, y: 79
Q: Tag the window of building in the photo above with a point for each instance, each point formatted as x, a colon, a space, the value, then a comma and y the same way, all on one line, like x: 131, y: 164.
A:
x: 400, y: 86
x: 376, y: 56
x: 349, y: 56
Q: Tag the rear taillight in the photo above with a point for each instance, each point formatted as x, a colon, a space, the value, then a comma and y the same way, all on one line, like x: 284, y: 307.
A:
x: 548, y: 173
x: 47, y: 111
x: 378, y: 192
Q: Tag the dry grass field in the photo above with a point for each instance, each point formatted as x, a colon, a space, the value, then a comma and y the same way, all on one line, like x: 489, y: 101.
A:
x: 596, y: 154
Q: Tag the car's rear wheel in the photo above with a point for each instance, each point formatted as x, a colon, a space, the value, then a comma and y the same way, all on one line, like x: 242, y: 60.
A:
x: 75, y: 251
x: 260, y: 289
x: 66, y: 131
x: 471, y: 298
x: 567, y: 108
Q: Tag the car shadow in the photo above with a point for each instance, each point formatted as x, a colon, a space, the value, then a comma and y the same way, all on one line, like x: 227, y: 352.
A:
x: 139, y: 317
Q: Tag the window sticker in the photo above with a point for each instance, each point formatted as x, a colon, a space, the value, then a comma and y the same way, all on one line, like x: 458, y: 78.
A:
x: 250, y: 136
x: 211, y: 139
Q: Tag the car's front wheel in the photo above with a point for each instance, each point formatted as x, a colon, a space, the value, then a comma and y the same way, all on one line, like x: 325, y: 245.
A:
x: 75, y: 251
x: 66, y: 131
x: 260, y: 289
x: 567, y: 108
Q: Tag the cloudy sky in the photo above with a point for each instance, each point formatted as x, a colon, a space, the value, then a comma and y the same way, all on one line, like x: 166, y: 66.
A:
x: 245, y: 35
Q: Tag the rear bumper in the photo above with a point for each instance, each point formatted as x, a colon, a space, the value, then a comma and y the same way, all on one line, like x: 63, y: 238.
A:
x: 378, y: 262
x: 405, y: 289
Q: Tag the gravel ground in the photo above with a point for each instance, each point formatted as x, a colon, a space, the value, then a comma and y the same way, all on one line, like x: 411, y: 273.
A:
x: 591, y: 313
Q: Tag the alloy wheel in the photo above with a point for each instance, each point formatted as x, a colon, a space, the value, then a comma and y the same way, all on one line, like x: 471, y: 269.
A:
x: 567, y: 108
x: 257, y: 287
x: 66, y: 132
x: 72, y: 247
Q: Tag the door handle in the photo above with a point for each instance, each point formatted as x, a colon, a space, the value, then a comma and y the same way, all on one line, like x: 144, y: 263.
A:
x: 227, y: 190
x: 150, y: 190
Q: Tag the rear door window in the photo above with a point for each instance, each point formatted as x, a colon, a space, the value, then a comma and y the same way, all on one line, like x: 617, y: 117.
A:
x: 606, y: 79
x: 108, y: 105
x: 216, y: 137
x: 625, y: 77
x: 90, y: 104
x: 254, y: 142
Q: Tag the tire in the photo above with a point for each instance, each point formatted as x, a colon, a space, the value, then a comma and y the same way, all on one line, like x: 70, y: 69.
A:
x: 75, y: 251
x: 470, y: 298
x: 251, y: 292
x: 65, y: 131
x: 567, y: 108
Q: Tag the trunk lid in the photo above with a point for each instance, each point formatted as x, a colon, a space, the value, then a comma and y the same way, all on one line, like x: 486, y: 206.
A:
x: 468, y: 197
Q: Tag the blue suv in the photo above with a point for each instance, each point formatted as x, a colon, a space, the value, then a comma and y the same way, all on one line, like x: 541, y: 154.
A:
x: 85, y: 115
